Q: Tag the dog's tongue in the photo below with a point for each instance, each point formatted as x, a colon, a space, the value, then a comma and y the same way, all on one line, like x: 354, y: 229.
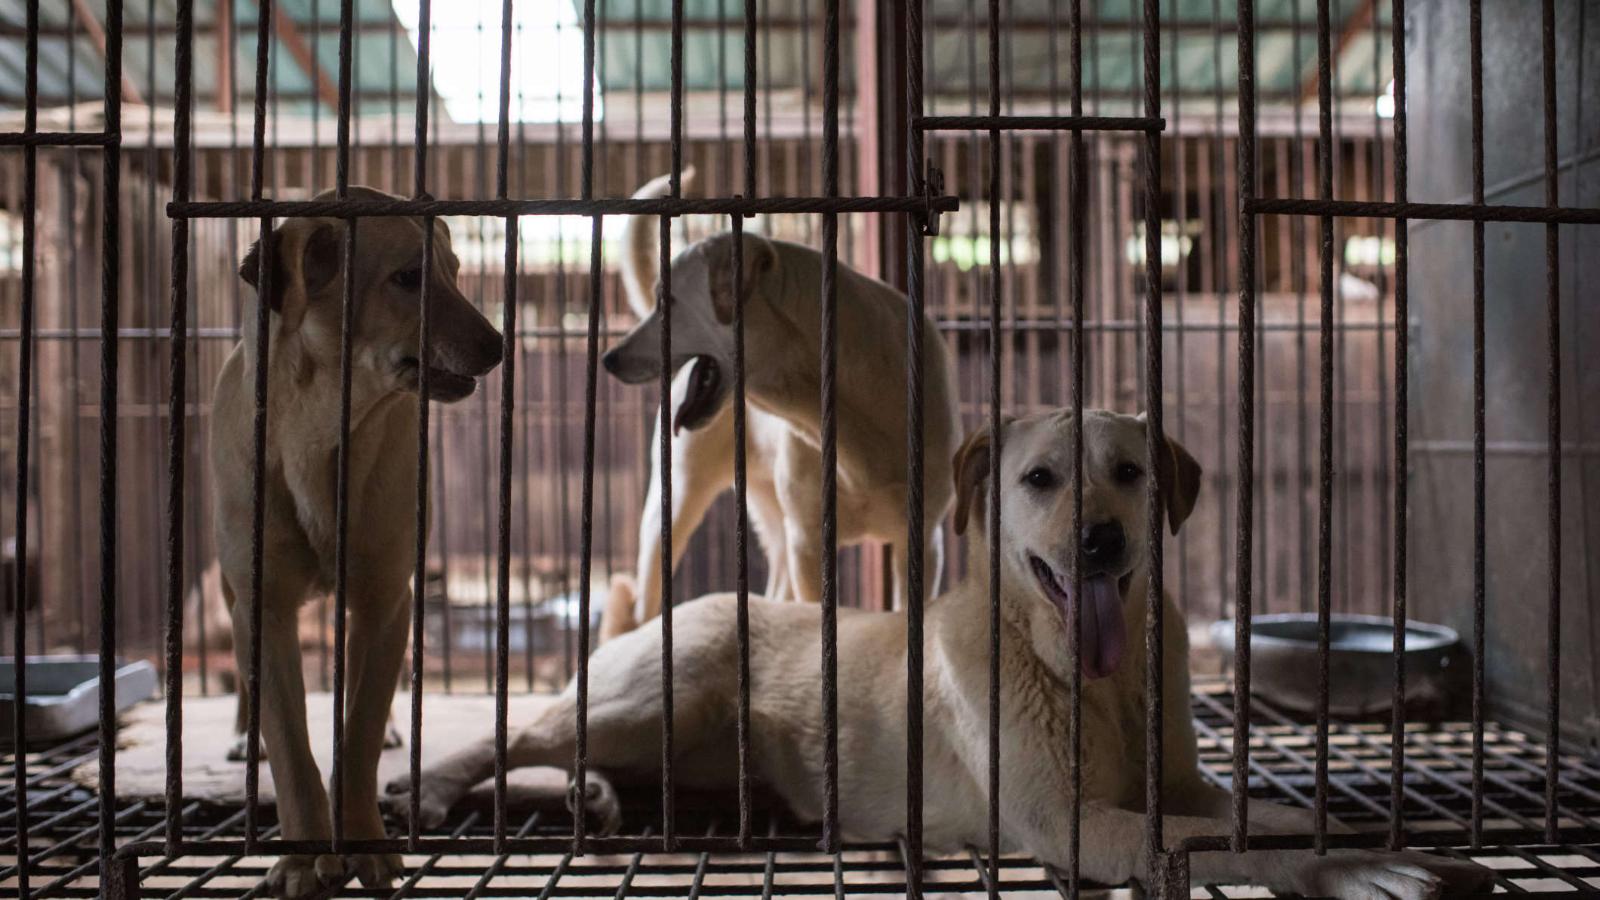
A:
x: 1105, y: 635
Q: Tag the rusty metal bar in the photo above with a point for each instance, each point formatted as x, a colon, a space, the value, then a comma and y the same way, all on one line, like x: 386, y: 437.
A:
x: 1402, y: 339
x: 110, y: 286
x: 1325, y: 153
x: 1552, y: 285
x: 830, y: 427
x: 1156, y: 441
x: 1243, y: 544
x: 183, y: 67
x: 1475, y: 31
x: 665, y: 206
x: 915, y: 247
x: 19, y: 592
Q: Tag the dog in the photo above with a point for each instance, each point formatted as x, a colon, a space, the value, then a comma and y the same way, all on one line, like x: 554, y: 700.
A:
x: 783, y: 426
x: 1038, y: 552
x: 304, y: 294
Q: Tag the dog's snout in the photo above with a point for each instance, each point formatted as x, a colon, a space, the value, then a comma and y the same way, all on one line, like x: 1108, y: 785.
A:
x: 1104, y: 543
x: 490, y: 347
x: 612, y: 361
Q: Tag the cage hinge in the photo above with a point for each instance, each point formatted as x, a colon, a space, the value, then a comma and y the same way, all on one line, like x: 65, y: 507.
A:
x: 932, y: 189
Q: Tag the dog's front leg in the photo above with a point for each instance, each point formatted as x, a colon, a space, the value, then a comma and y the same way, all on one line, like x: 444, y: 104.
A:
x: 301, y: 801
x: 377, y: 646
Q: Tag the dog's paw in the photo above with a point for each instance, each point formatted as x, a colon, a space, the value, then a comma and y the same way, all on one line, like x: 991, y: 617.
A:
x: 377, y: 870
x: 602, y: 808
x: 306, y: 877
x: 1407, y: 875
x: 396, y: 803
x: 239, y: 750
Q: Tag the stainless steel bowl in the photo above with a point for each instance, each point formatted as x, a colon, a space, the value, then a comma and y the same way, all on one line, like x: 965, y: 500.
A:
x: 1283, y: 662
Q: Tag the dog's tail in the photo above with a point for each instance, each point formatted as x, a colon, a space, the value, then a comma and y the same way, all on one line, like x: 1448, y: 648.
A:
x: 641, y: 247
x: 618, y: 618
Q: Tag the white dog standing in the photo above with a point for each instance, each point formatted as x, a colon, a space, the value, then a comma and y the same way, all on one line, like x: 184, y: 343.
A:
x: 1038, y: 551
x: 782, y: 293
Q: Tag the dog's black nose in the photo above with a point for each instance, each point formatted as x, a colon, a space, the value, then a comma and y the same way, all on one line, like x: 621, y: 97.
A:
x: 610, y: 361
x: 1103, y: 543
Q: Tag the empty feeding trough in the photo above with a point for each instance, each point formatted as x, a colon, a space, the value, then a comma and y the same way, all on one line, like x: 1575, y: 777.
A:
x: 64, y: 695
x: 1283, y: 663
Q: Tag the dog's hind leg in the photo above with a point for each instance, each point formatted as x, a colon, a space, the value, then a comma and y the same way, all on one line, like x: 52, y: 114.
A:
x: 550, y: 740
x: 624, y: 720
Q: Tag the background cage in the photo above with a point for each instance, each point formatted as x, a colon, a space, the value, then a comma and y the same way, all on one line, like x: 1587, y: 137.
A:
x: 51, y: 311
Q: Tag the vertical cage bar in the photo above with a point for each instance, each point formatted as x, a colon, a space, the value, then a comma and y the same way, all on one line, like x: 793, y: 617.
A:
x: 1402, y: 337
x: 183, y: 72
x: 1325, y: 152
x: 916, y: 228
x: 258, y: 476
x: 996, y: 447
x: 341, y: 564
x: 1475, y: 32
x: 419, y: 180
x: 19, y: 593
x: 1552, y: 286
x: 1247, y: 361
x: 740, y: 469
x: 830, y: 431
x: 668, y: 812
x: 508, y: 353
x: 110, y: 286
x: 580, y: 762
x: 1077, y: 258
x: 1155, y: 431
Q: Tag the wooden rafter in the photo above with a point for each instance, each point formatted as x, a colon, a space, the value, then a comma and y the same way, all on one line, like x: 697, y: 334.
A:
x: 226, y: 48
x: 1359, y: 21
x: 97, y: 35
x: 287, y: 31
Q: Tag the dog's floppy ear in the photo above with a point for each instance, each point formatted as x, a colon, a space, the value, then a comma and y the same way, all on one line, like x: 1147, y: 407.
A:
x: 759, y: 258
x: 1179, y: 479
x: 304, y: 254
x: 970, y: 469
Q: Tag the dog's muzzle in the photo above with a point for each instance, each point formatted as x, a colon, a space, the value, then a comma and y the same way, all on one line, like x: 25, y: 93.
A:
x: 444, y: 385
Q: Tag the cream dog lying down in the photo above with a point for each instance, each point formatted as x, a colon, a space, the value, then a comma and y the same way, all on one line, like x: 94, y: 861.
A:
x: 1037, y: 554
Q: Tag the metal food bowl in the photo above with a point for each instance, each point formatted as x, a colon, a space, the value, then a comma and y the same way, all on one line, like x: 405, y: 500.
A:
x: 1283, y: 663
x: 64, y: 694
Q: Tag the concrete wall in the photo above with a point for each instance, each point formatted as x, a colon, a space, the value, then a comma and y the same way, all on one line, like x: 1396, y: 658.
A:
x: 1441, y: 530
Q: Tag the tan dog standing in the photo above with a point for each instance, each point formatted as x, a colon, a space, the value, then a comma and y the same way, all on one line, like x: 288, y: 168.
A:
x: 305, y: 296
x: 783, y: 428
x: 1038, y: 550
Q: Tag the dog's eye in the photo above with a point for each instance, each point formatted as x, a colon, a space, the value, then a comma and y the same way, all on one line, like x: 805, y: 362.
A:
x: 1128, y: 473
x: 1040, y: 478
x: 409, y: 279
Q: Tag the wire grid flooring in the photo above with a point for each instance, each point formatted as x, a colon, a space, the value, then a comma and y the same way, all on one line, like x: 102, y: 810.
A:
x: 62, y: 826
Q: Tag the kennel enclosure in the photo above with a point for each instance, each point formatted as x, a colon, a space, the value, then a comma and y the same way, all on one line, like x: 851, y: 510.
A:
x: 1096, y: 177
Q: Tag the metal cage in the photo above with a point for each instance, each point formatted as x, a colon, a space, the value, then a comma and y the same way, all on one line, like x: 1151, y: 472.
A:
x: 1485, y: 789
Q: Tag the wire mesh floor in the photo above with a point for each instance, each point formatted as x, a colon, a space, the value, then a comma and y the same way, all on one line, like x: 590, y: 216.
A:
x: 62, y: 826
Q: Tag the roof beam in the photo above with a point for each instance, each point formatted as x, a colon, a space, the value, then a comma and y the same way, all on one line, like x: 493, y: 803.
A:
x: 286, y: 30
x: 226, y: 48
x: 1359, y: 21
x: 97, y: 36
